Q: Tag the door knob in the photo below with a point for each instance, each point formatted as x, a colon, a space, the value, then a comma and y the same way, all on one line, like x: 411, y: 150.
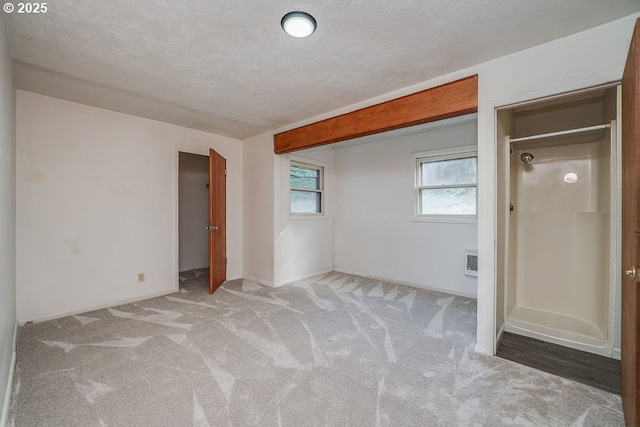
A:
x: 212, y: 228
x: 631, y: 272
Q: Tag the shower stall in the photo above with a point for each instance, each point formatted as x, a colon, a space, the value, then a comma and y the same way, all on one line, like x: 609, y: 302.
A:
x: 558, y: 221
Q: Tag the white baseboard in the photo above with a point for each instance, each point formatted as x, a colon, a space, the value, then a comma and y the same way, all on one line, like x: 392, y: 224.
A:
x: 481, y: 349
x: 12, y: 370
x: 305, y: 276
x: 616, y: 353
x: 413, y: 285
x: 99, y: 307
x: 260, y: 282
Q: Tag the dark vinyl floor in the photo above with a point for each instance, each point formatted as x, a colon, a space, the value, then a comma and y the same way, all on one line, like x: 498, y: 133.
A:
x: 587, y: 368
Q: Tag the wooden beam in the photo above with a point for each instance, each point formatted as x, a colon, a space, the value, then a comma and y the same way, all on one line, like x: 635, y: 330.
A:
x: 449, y: 100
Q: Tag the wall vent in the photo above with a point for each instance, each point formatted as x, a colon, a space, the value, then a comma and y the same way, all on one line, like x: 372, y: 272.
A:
x: 470, y: 263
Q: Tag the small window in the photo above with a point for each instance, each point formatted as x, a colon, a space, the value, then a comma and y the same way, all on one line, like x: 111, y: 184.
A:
x: 446, y: 185
x: 307, y: 189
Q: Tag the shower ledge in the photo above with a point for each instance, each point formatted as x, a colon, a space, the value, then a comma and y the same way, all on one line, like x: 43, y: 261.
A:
x: 572, y: 327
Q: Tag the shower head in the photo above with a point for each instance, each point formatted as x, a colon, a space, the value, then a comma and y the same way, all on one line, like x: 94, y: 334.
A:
x: 526, y: 158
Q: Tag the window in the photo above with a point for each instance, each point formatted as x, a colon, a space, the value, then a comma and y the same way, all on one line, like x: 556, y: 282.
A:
x: 446, y: 185
x: 307, y: 189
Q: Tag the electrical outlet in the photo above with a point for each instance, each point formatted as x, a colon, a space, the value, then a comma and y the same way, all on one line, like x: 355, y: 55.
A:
x: 140, y: 277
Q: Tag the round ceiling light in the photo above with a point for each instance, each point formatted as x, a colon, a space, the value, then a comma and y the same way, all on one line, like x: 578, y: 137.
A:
x: 298, y: 24
x: 571, y: 178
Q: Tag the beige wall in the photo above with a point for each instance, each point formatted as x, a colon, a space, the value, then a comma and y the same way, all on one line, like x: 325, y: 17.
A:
x: 259, y: 208
x: 97, y: 203
x: 7, y: 221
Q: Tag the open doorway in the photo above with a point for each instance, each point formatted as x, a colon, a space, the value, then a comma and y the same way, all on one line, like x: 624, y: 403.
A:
x: 193, y: 219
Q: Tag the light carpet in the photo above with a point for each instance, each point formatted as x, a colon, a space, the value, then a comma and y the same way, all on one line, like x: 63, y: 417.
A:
x: 332, y: 350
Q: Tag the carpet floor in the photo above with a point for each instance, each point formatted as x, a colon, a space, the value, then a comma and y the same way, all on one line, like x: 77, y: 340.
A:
x: 332, y: 350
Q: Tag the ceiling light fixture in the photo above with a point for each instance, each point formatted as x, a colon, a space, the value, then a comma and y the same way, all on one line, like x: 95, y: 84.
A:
x: 298, y: 24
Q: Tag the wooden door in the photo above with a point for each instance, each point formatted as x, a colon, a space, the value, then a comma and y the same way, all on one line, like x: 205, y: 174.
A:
x: 217, y: 220
x: 631, y: 234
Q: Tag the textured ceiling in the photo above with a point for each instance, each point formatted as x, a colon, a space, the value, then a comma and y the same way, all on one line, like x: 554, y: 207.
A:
x: 225, y: 66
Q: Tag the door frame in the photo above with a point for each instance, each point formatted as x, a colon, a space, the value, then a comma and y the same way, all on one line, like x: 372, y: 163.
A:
x: 176, y: 207
x: 615, y: 231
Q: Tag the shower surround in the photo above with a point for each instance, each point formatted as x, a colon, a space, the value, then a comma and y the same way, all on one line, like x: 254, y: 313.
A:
x: 560, y: 250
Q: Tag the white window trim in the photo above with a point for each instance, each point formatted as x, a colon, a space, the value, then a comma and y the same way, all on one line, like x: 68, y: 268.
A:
x: 308, y: 163
x: 435, y: 155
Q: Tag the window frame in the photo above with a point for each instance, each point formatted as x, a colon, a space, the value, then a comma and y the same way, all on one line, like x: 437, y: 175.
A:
x: 435, y: 156
x: 321, y: 190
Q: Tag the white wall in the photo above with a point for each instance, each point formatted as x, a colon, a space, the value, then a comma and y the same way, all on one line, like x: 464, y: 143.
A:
x: 585, y: 59
x: 193, y: 214
x: 303, y: 246
x: 375, y: 234
x: 7, y: 221
x: 97, y: 202
x: 259, y: 208
x: 276, y: 247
